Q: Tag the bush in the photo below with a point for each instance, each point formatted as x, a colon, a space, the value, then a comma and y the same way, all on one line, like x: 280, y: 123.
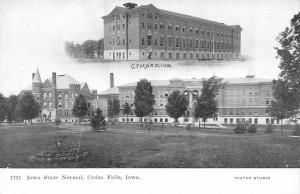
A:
x: 269, y: 128
x: 97, y: 122
x: 296, y: 131
x: 252, y: 129
x: 240, y: 129
x: 57, y: 122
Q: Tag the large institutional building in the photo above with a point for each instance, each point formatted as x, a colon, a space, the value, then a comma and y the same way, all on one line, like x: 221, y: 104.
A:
x: 56, y: 96
x: 244, y: 99
x: 145, y: 32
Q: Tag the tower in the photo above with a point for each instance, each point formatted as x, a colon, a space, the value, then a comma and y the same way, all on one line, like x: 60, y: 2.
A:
x: 37, y: 85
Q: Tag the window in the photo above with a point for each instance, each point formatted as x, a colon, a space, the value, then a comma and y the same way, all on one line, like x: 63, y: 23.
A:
x: 267, y: 120
x: 170, y: 41
x: 155, y: 26
x: 177, y: 28
x: 143, y: 25
x: 267, y: 102
x: 66, y: 96
x: 149, y: 40
x: 170, y: 55
x: 155, y: 120
x: 170, y: 27
x: 162, y: 55
x: 197, y: 44
x: 184, y: 55
x: 177, y: 42
x: 143, y: 41
x: 191, y: 56
x: 59, y: 96
x: 155, y: 42
x: 231, y: 120
x: 161, y: 26
x: 191, y: 43
x: 255, y: 120
x: 190, y: 30
x: 225, y: 121
x: 183, y: 43
x: 183, y: 29
x: 177, y: 56
x: 161, y: 41
x: 166, y: 120
x: 161, y: 120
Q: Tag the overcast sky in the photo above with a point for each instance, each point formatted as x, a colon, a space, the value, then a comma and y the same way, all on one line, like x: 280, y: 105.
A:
x: 33, y: 32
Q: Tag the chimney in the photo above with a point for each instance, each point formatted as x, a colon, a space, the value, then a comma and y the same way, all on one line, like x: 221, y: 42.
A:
x: 111, y: 80
x: 32, y: 76
x: 54, y: 91
x: 54, y: 79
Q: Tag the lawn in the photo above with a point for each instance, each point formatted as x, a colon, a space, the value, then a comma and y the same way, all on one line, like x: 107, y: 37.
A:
x: 134, y: 147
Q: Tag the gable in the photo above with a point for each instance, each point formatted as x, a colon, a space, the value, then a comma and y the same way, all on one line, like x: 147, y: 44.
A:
x: 47, y: 84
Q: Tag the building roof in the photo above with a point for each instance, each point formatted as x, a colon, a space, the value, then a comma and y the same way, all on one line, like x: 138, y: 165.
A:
x: 244, y: 80
x: 153, y: 83
x: 239, y: 80
x: 37, y: 77
x: 62, y: 82
x: 124, y: 10
x: 110, y: 91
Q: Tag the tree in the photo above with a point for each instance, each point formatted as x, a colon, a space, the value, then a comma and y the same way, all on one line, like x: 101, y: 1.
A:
x: 207, y: 105
x: 126, y: 109
x: 285, y: 101
x: 177, y: 105
x: 11, y: 104
x: 89, y: 47
x: 3, y: 109
x: 114, y: 108
x: 28, y: 108
x: 97, y: 120
x: 289, y: 54
x: 143, y: 99
x: 80, y: 107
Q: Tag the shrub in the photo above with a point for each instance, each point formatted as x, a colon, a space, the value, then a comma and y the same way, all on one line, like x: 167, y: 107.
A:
x: 240, y: 129
x: 57, y: 121
x: 296, y: 131
x: 98, y: 121
x: 252, y: 129
x: 269, y: 128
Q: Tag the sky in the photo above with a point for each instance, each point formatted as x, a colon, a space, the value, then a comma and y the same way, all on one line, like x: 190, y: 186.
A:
x: 33, y: 32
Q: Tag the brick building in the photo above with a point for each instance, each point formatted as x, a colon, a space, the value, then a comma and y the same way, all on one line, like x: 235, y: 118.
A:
x: 104, y: 97
x: 56, y: 96
x: 145, y: 32
x: 239, y: 100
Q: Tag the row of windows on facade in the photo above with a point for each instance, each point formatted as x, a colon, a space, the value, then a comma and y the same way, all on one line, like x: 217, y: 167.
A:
x: 249, y: 120
x: 197, y: 56
x: 190, y: 43
x: 156, y: 120
x: 242, y: 112
x: 204, y: 33
x: 246, y: 101
x: 62, y: 105
x: 60, y: 96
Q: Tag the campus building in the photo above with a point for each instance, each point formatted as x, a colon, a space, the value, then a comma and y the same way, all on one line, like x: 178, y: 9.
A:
x: 244, y: 99
x: 105, y: 97
x: 56, y: 96
x: 145, y: 32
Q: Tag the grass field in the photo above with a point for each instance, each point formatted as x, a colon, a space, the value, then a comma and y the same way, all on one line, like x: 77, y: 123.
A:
x: 128, y: 147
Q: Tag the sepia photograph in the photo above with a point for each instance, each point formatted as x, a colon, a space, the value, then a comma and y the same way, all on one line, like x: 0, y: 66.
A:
x: 149, y: 84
